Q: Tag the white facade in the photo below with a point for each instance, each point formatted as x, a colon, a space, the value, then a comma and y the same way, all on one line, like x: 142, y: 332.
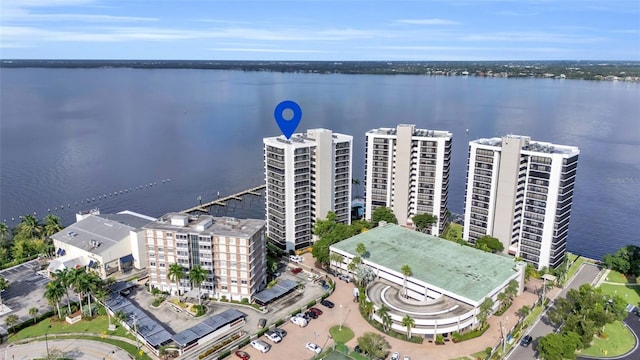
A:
x: 407, y: 170
x: 520, y: 191
x: 106, y: 243
x: 306, y: 176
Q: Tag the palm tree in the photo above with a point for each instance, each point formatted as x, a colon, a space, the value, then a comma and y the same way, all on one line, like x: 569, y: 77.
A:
x: 51, y: 225
x: 409, y: 323
x: 406, y: 271
x: 94, y: 283
x: 361, y: 249
x: 367, y: 307
x: 101, y: 294
x: 336, y: 259
x: 512, y: 289
x: 354, y: 263
x: 4, y: 231
x: 12, y: 320
x: 383, y: 313
x: 53, y: 293
x: 504, y: 299
x: 176, y: 273
x: 524, y: 311
x: 30, y: 225
x: 64, y: 279
x: 33, y: 312
x: 386, y: 322
x: 197, y: 275
x: 80, y: 284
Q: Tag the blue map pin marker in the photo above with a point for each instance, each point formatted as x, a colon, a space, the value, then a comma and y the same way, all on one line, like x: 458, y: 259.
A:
x: 288, y: 126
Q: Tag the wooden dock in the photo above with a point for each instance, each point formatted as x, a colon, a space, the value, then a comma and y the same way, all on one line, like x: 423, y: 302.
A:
x: 256, y: 191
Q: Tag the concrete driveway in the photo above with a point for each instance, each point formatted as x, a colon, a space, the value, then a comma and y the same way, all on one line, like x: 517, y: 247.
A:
x: 26, y: 290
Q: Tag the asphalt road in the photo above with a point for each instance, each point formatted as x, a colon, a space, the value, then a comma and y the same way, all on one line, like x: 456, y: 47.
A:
x: 586, y: 275
x: 73, y: 349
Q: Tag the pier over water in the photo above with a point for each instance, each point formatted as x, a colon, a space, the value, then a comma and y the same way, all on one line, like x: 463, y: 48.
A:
x: 256, y: 191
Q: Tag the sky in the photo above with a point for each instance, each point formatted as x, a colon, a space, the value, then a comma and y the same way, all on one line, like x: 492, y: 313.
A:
x: 411, y: 30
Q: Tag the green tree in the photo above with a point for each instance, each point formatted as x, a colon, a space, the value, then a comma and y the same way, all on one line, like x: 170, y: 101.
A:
x: 406, y: 272
x: 485, y: 309
x: 64, y: 279
x: 512, y: 289
x: 4, y: 233
x: 424, y: 222
x: 383, y: 213
x: 197, y: 275
x: 33, y: 312
x: 355, y: 262
x: 4, y: 284
x: 409, y: 323
x: 559, y: 346
x: 504, y: 300
x: 336, y: 259
x: 81, y: 284
x: 367, y: 308
x: 11, y: 321
x: 383, y: 313
x: 488, y: 243
x: 374, y: 345
x: 30, y: 226
x: 625, y: 260
x: 323, y: 227
x: 101, y: 295
x: 51, y: 225
x: 54, y: 292
x: 176, y: 273
x: 330, y: 232
x: 524, y: 311
x: 361, y: 250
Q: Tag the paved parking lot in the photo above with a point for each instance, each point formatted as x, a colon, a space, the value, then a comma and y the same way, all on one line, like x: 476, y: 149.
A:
x: 26, y: 290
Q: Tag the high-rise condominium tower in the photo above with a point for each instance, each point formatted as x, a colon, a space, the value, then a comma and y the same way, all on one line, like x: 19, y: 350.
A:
x: 520, y: 191
x: 307, y: 176
x: 407, y: 170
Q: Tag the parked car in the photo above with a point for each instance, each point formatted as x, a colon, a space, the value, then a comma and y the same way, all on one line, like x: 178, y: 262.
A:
x: 327, y: 303
x: 243, y: 355
x: 321, y: 282
x: 316, y: 311
x: 281, y: 332
x: 296, y: 258
x: 346, y: 278
x: 313, y: 347
x: 406, y: 357
x: 526, y: 340
x: 260, y: 345
x: 311, y: 314
x: 395, y: 356
x: 273, y: 336
x: 262, y: 323
x: 358, y: 350
x: 300, y: 321
x: 296, y: 271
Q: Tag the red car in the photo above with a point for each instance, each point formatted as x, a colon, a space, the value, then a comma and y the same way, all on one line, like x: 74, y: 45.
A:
x: 242, y: 355
x: 316, y: 311
x: 296, y: 271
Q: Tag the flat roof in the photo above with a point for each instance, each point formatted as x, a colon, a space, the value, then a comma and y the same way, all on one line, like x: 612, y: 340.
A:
x: 280, y: 289
x: 219, y: 226
x: 96, y: 233
x: 532, y: 146
x: 456, y: 268
x: 206, y: 327
x: 150, y: 329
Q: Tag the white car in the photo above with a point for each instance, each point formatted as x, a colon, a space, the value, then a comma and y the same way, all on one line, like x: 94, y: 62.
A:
x: 406, y: 357
x: 300, y: 321
x: 395, y: 356
x: 296, y: 258
x: 273, y: 336
x: 260, y: 345
x: 313, y: 347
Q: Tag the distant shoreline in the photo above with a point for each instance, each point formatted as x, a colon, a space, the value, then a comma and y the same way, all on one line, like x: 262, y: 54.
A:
x: 580, y: 70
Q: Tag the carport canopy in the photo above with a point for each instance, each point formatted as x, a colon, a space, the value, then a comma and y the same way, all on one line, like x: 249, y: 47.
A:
x: 282, y: 288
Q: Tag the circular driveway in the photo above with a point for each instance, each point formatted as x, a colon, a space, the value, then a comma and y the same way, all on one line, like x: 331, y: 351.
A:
x: 72, y: 349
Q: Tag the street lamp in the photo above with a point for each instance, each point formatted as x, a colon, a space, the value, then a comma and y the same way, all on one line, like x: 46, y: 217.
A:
x: 340, y: 328
x: 46, y: 340
x: 135, y: 330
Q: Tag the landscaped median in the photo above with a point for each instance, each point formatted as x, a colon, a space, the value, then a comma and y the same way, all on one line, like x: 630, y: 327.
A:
x: 94, y: 329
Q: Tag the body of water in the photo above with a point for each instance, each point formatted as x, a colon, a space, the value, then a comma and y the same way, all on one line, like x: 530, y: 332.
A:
x: 152, y: 141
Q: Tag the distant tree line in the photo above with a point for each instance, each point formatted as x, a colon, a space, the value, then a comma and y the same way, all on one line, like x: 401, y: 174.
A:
x: 31, y: 237
x: 626, y: 260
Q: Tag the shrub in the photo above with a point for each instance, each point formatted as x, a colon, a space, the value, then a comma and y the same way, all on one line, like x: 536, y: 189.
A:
x: 439, y: 339
x: 245, y: 301
x: 311, y: 303
x: 158, y: 300
x: 199, y: 310
x: 223, y: 298
x: 457, y: 337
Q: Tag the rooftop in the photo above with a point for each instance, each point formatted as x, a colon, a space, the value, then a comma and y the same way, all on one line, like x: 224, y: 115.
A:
x: 460, y: 269
x: 304, y: 139
x: 96, y: 233
x: 207, y: 224
x: 206, y: 327
x: 532, y: 146
x: 426, y: 133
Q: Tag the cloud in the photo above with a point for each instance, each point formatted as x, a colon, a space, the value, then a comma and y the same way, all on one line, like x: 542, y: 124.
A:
x: 517, y: 36
x: 92, y: 18
x: 434, y: 21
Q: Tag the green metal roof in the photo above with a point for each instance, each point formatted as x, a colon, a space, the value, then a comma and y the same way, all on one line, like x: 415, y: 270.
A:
x: 460, y: 269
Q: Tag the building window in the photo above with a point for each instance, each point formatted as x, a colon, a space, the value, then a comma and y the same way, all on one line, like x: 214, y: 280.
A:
x: 161, y: 264
x: 243, y: 282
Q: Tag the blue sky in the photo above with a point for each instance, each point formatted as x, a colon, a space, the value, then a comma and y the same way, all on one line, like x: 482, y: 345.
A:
x: 321, y: 30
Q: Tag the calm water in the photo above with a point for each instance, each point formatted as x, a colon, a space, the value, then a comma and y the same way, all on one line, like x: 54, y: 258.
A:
x: 68, y: 135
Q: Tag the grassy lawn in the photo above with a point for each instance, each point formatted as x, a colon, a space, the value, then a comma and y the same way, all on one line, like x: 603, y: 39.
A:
x: 453, y: 232
x: 619, y: 341
x: 334, y: 355
x: 535, y: 312
x: 97, y: 325
x: 131, y: 349
x: 616, y: 277
x: 480, y: 354
x: 631, y: 293
x: 341, y: 336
